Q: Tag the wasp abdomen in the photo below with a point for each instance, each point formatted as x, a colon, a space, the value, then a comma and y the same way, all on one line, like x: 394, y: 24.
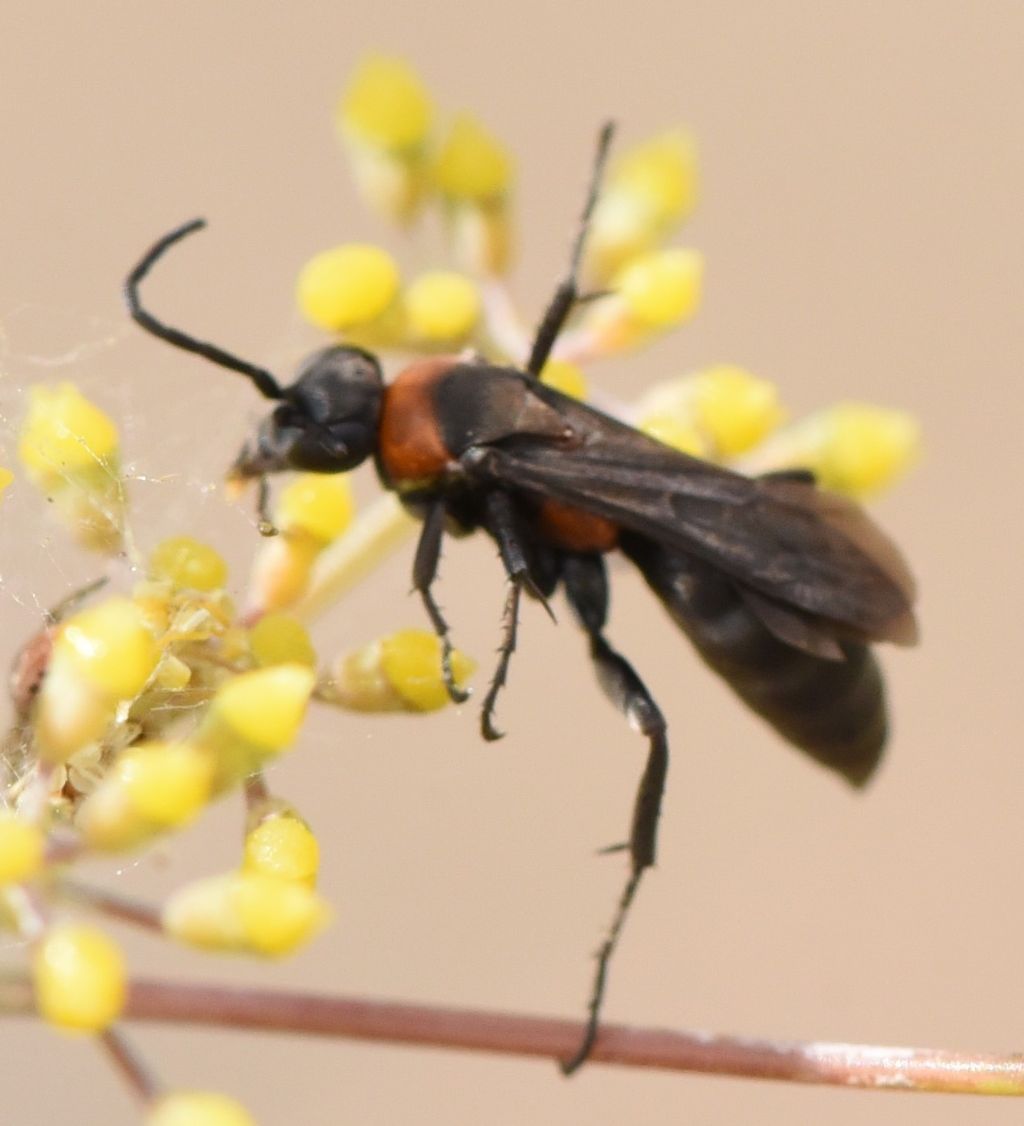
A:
x: 833, y: 709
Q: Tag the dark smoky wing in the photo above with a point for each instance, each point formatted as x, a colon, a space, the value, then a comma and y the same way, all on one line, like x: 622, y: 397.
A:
x: 826, y: 699
x: 782, y: 536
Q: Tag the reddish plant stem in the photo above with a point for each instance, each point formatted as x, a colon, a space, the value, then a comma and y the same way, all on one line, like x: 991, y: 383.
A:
x: 848, y: 1065
x: 138, y: 1077
x: 118, y: 907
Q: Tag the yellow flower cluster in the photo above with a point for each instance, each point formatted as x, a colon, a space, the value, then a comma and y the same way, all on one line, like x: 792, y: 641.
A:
x: 152, y: 703
x: 386, y: 119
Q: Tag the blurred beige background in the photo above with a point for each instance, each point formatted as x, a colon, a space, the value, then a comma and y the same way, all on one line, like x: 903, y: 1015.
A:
x: 861, y: 218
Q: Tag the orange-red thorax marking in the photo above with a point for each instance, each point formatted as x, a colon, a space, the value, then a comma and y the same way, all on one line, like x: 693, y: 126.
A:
x: 573, y: 529
x: 412, y: 450
x: 411, y: 445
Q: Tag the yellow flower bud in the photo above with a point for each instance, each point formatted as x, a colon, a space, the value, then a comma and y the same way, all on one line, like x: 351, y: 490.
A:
x: 101, y: 657
x: 662, y: 288
x: 110, y: 647
x: 65, y: 436
x: 168, y: 783
x: 22, y: 847
x: 735, y: 409
x: 79, y: 978
x: 283, y: 845
x: 472, y: 164
x: 152, y: 787
x: 281, y: 570
x: 565, y: 377
x: 6, y: 477
x: 649, y: 190
x: 69, y: 448
x: 661, y: 172
x: 245, y: 912
x: 411, y: 661
x: 865, y: 448
x: 266, y: 706
x: 253, y: 717
x: 385, y: 105
x: 401, y: 672
x: 278, y: 639
x: 185, y: 562
x: 319, y: 504
x: 347, y: 287
x: 441, y: 306
x: 197, y: 1108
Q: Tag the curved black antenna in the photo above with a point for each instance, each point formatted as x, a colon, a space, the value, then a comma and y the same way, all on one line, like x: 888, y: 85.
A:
x: 265, y: 382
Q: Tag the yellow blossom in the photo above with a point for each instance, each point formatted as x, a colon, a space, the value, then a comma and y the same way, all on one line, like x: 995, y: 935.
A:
x: 65, y: 435
x: 385, y: 105
x: 281, y: 570
x: 736, y: 409
x: 649, y: 190
x: 865, y: 447
x: 253, y: 717
x: 320, y: 504
x: 441, y: 306
x: 384, y: 119
x: 401, y: 672
x: 278, y: 639
x: 102, y: 657
x: 151, y: 787
x: 654, y: 292
x: 69, y: 448
x: 662, y: 288
x: 565, y: 377
x: 79, y: 978
x: 472, y: 164
x: 348, y: 287
x: 22, y: 847
x: 197, y: 1108
x: 283, y: 845
x: 109, y: 646
x: 186, y: 562
x: 245, y: 912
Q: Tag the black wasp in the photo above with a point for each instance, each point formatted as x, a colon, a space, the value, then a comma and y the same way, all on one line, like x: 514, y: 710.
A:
x: 781, y: 587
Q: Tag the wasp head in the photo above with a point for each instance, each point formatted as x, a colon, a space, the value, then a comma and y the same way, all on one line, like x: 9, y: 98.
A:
x: 325, y: 422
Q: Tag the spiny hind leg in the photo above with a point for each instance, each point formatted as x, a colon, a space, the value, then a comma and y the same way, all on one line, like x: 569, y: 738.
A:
x: 586, y: 587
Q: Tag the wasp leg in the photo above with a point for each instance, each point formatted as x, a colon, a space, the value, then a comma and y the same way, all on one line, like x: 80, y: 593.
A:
x: 265, y: 524
x: 424, y: 572
x: 586, y: 586
x: 500, y: 519
x: 567, y: 293
x: 71, y: 603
